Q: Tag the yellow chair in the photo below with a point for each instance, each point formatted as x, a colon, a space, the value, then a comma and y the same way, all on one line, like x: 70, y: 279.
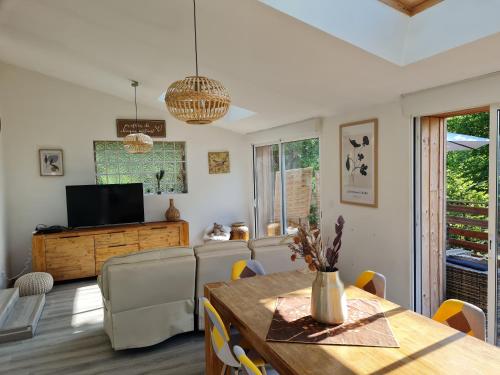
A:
x: 222, y: 342
x: 246, y: 362
x: 246, y: 268
x: 462, y: 316
x: 372, y: 282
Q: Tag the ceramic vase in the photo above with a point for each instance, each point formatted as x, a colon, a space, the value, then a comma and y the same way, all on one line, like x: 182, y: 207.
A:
x: 172, y: 213
x: 328, y: 299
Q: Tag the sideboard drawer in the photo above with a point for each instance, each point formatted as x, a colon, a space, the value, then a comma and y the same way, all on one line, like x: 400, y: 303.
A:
x: 158, y: 237
x: 104, y: 253
x: 116, y: 238
x: 70, y: 257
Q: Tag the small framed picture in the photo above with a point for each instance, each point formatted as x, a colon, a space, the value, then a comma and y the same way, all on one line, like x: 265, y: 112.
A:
x: 218, y: 162
x: 358, y: 163
x: 51, y: 162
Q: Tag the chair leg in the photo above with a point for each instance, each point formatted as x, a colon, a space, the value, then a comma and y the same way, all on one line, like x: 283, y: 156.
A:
x: 223, y: 372
x: 263, y: 370
x: 236, y: 371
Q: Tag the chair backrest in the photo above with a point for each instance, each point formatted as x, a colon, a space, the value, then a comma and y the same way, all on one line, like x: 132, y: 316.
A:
x: 246, y: 268
x: 462, y: 316
x: 372, y: 282
x: 246, y: 362
x: 219, y: 335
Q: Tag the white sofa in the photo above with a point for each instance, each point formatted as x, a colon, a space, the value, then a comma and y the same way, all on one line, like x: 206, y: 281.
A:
x: 153, y: 295
x: 214, y: 263
x: 274, y: 255
x: 148, y: 296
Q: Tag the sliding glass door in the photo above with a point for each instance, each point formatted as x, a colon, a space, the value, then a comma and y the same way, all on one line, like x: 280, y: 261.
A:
x: 266, y: 183
x: 493, y: 327
x: 283, y: 202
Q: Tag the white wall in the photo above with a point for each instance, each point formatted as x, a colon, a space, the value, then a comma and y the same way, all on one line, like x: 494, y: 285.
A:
x: 374, y: 238
x: 381, y: 238
x: 3, y: 224
x: 39, y: 111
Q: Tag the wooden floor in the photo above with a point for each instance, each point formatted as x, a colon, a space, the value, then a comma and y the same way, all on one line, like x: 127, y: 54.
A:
x: 70, y: 340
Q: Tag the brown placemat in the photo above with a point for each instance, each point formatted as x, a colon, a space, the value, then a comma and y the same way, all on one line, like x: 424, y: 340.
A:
x: 366, y: 324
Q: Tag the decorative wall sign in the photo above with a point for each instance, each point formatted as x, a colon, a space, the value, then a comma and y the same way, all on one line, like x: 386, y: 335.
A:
x: 218, y: 162
x: 153, y: 128
x: 51, y: 162
x: 358, y: 163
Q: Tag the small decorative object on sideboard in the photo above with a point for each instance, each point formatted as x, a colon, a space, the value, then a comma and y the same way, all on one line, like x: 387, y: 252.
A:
x: 239, y: 231
x: 159, y: 176
x: 172, y: 213
x: 51, y: 162
x: 217, y: 232
x: 328, y: 300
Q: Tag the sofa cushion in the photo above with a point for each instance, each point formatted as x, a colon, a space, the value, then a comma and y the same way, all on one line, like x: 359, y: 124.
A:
x: 136, y: 259
x: 270, y: 241
x: 220, y: 245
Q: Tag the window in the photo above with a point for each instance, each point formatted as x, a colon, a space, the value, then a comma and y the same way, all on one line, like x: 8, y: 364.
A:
x: 115, y: 166
x: 301, y: 195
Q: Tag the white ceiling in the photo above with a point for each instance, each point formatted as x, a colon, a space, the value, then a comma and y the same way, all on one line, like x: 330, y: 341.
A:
x: 272, y: 64
x: 382, y: 30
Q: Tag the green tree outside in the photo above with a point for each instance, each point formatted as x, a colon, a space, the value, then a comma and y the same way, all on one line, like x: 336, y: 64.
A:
x: 467, y: 171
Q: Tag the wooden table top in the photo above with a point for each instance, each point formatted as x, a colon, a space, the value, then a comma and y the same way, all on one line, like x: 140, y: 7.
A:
x: 427, y: 347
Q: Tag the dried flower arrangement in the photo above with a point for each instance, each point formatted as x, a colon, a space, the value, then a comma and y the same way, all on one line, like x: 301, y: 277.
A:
x: 309, y: 245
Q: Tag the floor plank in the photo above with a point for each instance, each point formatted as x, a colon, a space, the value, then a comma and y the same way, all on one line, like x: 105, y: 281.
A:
x: 70, y: 340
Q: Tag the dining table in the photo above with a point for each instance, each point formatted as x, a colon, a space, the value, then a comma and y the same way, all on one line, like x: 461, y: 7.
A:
x: 425, y: 346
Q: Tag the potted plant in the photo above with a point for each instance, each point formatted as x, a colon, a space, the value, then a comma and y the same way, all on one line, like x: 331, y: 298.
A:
x: 159, y: 176
x: 328, y: 300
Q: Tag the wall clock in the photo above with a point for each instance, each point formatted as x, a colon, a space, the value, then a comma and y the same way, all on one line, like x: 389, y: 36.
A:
x: 218, y: 162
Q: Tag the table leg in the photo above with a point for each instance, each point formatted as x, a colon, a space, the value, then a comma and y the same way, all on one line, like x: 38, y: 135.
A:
x: 213, y: 366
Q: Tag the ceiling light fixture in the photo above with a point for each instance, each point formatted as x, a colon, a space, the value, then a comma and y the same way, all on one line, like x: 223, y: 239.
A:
x: 197, y: 100
x: 137, y: 143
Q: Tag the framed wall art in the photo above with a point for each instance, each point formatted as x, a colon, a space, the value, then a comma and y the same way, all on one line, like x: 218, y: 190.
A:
x: 51, y: 162
x: 218, y: 162
x: 358, y: 163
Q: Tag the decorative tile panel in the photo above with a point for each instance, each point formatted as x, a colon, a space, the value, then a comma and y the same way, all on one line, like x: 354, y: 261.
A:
x: 113, y: 165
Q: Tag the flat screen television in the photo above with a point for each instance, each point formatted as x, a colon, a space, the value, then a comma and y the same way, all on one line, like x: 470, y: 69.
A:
x: 94, y: 205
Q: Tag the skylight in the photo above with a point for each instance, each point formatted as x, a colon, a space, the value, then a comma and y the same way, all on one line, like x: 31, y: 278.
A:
x: 235, y: 113
x: 393, y: 35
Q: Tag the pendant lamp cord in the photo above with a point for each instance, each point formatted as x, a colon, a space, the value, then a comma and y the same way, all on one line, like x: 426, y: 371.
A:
x: 135, y: 102
x: 195, y: 37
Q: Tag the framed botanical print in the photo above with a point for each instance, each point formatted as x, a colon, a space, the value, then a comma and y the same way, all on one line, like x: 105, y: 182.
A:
x: 218, y: 162
x: 51, y: 162
x: 358, y: 163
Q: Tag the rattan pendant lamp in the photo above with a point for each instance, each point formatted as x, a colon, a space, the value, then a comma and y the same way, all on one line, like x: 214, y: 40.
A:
x: 197, y: 100
x: 137, y: 143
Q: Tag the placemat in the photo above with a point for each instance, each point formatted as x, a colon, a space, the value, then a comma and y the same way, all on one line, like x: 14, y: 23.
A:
x: 366, y: 324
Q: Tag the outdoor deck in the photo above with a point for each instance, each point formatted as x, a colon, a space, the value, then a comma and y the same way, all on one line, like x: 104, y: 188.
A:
x: 467, y: 270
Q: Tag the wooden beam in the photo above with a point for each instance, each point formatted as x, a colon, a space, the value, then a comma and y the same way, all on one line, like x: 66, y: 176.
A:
x: 410, y: 7
x: 481, y: 247
x: 467, y: 209
x: 423, y: 6
x: 468, y: 233
x: 467, y: 221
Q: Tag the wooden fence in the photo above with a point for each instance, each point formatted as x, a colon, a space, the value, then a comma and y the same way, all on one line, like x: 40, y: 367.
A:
x: 467, y: 225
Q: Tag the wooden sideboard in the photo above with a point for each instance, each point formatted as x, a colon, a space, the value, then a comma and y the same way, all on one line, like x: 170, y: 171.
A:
x: 79, y: 253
